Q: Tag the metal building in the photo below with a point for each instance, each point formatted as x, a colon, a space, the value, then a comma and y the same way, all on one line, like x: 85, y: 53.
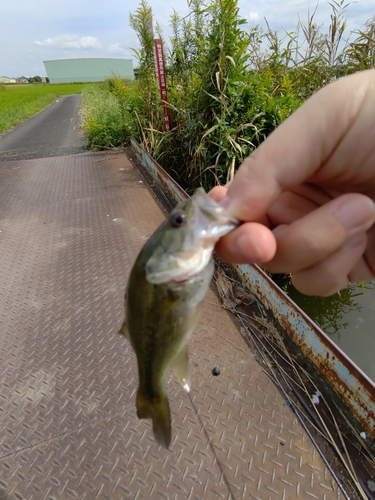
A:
x: 88, y: 69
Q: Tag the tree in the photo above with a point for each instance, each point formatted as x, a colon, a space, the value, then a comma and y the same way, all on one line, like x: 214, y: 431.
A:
x: 35, y: 79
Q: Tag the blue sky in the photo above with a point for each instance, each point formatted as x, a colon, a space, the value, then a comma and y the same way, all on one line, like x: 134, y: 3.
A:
x: 31, y: 32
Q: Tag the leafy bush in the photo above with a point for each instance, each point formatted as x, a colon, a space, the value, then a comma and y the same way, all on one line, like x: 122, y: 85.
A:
x: 108, y: 113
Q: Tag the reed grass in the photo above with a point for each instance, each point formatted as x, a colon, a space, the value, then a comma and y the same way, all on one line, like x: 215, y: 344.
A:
x: 230, y: 86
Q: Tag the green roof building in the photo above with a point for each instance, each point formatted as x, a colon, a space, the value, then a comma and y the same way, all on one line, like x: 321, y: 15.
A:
x: 88, y: 69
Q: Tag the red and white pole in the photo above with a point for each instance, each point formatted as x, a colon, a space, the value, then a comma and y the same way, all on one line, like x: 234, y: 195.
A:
x: 162, y: 81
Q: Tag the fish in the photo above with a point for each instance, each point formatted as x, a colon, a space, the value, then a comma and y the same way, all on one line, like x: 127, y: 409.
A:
x: 168, y: 281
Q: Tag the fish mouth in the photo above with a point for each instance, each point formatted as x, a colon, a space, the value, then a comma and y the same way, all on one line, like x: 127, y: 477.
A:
x: 178, y: 269
x: 178, y: 281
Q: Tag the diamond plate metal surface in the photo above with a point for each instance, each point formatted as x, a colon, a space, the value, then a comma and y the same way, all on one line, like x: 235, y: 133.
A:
x: 71, y: 228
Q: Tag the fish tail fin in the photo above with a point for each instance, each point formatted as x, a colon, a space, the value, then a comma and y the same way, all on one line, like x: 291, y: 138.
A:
x: 159, y: 411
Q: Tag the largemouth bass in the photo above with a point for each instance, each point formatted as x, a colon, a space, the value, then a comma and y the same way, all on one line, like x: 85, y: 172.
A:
x: 168, y: 281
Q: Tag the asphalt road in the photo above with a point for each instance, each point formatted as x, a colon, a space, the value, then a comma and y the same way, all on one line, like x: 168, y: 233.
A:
x: 55, y: 131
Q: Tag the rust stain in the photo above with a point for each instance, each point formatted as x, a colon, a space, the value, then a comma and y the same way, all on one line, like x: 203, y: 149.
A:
x: 326, y: 365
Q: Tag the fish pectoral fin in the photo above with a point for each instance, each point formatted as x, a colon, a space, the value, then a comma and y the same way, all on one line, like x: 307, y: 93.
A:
x: 124, y: 330
x: 180, y: 366
x: 158, y: 410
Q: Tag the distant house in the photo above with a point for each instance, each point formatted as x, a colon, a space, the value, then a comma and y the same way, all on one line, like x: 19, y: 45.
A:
x: 5, y: 79
x: 22, y: 79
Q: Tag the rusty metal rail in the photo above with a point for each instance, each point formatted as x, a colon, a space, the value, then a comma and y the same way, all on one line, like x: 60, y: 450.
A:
x: 70, y: 230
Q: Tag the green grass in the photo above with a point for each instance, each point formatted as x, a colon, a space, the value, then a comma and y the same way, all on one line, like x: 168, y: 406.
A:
x: 19, y: 102
x: 108, y: 113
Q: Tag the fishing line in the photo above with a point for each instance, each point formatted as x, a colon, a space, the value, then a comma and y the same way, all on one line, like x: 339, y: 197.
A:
x: 227, y: 483
x: 275, y: 379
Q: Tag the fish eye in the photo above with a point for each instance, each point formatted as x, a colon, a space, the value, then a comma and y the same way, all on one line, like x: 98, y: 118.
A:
x: 178, y: 219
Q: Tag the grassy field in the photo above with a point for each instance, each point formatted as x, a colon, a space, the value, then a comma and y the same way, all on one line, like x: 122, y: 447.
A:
x: 19, y: 102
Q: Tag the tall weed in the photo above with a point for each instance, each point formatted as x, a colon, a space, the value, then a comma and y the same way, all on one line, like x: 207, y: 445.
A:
x: 229, y: 86
x: 361, y: 51
x: 141, y: 22
x: 107, y: 113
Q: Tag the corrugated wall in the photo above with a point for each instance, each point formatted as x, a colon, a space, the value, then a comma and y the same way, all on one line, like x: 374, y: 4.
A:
x: 88, y: 69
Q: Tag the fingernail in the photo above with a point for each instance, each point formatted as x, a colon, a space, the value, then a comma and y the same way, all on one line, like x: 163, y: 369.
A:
x: 249, y: 248
x: 354, y: 213
x: 225, y: 202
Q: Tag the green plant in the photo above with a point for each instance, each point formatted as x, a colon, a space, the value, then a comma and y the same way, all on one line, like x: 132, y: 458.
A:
x: 229, y: 87
x: 361, y: 51
x: 141, y: 21
x: 108, y: 113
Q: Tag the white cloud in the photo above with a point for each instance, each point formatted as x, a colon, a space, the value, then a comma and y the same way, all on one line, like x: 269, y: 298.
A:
x: 253, y: 16
x: 70, y: 42
x: 115, y: 48
x: 107, y: 23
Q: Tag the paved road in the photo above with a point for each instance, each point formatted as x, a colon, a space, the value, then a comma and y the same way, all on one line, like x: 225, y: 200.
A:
x: 53, y: 132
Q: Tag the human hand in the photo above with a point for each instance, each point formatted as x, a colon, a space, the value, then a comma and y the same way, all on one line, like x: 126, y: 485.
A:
x: 307, y: 193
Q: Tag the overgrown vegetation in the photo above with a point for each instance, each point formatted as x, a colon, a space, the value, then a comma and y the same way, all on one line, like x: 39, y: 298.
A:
x: 19, y: 102
x: 109, y: 112
x: 229, y: 86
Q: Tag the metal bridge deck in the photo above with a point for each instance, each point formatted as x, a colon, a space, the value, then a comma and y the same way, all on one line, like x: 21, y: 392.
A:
x: 70, y: 230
